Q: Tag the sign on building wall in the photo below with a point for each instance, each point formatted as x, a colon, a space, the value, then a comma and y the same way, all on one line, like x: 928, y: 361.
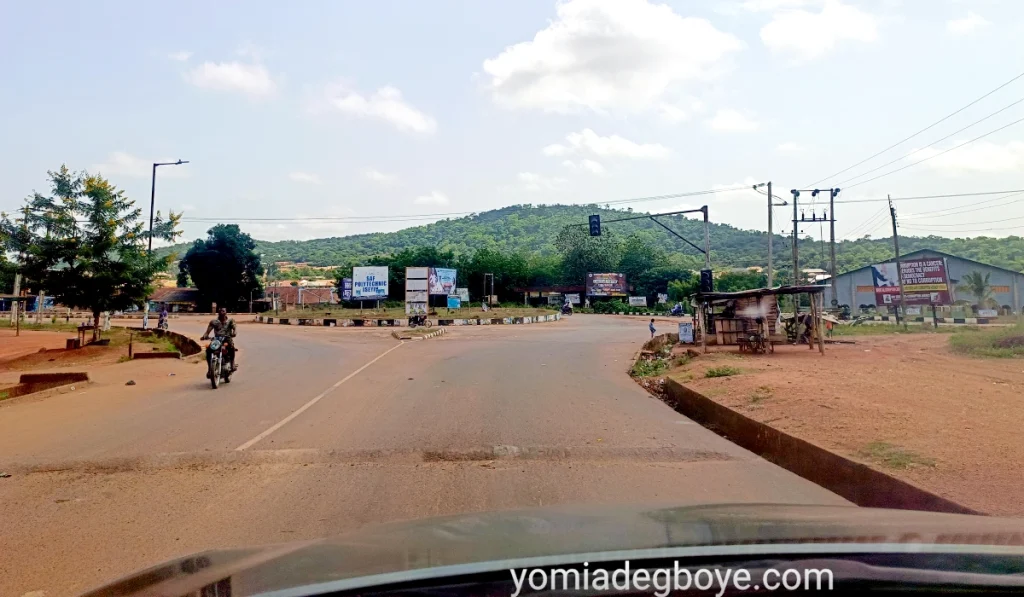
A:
x: 441, y: 280
x: 924, y: 282
x: 607, y: 285
x: 370, y: 282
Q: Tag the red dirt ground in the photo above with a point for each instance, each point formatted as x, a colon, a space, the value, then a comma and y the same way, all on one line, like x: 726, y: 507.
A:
x: 960, y: 417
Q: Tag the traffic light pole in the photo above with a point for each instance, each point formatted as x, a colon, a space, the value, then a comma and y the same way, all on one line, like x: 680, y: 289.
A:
x: 595, y: 228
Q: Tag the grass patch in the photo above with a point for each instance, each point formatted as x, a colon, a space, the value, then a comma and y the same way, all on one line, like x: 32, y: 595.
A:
x: 882, y: 329
x: 723, y: 371
x: 681, y: 361
x: 893, y: 456
x: 648, y: 368
x: 1003, y: 343
x: 761, y: 393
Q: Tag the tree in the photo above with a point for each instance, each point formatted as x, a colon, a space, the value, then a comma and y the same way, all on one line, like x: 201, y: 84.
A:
x: 639, y: 256
x: 224, y: 267
x: 86, y: 244
x: 510, y: 271
x: 582, y: 253
x: 977, y: 284
x: 736, y: 281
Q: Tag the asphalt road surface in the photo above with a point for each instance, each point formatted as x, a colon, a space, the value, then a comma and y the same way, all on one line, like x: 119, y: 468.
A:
x: 324, y: 430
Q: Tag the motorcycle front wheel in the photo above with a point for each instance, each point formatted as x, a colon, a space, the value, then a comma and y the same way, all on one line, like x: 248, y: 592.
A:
x: 215, y: 366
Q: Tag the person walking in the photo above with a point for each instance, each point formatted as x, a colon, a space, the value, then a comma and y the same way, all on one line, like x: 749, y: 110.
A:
x: 651, y: 327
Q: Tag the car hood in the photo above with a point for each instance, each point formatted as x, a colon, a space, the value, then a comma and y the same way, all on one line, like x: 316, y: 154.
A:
x: 502, y: 540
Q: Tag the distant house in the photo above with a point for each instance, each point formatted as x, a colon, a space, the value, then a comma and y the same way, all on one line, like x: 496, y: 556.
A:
x: 178, y: 300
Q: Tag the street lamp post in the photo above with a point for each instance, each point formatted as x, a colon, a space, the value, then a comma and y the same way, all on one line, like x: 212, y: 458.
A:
x: 152, y: 196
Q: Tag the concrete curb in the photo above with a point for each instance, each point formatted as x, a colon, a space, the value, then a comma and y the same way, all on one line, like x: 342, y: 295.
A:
x: 406, y: 336
x: 859, y: 483
x: 30, y: 383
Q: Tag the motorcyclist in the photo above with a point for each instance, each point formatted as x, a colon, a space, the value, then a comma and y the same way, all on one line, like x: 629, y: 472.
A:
x: 567, y: 307
x: 162, y: 323
x: 677, y: 309
x: 222, y: 326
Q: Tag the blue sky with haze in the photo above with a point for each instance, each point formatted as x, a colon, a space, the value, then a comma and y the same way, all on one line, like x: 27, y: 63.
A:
x: 387, y: 108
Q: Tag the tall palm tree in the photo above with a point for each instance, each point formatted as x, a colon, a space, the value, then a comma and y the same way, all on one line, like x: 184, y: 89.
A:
x: 977, y: 285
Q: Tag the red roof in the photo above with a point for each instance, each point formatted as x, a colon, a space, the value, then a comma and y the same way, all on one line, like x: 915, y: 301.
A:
x: 175, y: 295
x: 290, y: 295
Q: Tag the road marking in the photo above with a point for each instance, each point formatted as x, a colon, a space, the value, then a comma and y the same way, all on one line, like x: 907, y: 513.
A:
x: 315, y: 399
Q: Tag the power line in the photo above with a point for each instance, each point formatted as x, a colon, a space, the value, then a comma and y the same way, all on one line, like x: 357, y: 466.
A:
x: 1021, y: 228
x: 930, y: 126
x: 957, y: 132
x: 933, y: 196
x: 865, y: 223
x: 1019, y: 120
x: 415, y: 217
x: 969, y: 223
x: 961, y: 210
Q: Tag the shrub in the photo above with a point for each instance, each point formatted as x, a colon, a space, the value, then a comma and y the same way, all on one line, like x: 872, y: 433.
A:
x: 723, y: 371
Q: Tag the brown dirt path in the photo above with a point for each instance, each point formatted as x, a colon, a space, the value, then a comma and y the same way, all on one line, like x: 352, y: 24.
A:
x: 903, y: 404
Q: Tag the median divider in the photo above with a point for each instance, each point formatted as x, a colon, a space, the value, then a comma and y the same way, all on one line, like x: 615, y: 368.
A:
x: 388, y: 322
x: 30, y: 383
x: 408, y: 335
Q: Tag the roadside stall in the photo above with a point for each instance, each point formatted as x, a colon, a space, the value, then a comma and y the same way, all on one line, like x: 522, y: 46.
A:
x: 750, y: 319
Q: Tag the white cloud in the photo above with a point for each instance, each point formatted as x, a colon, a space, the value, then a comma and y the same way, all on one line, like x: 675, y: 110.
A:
x: 434, y: 198
x: 252, y: 79
x: 967, y: 25
x: 181, y: 56
x: 386, y: 104
x: 589, y: 142
x: 807, y: 35
x: 606, y: 55
x: 302, y: 230
x: 120, y: 163
x: 304, y: 177
x: 379, y: 177
x: 732, y: 121
x: 538, y: 182
x: 980, y: 156
x: 774, y: 5
x: 789, y: 147
x: 588, y: 165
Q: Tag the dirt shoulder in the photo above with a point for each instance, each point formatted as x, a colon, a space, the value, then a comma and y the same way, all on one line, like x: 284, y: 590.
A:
x: 903, y: 404
x: 36, y: 350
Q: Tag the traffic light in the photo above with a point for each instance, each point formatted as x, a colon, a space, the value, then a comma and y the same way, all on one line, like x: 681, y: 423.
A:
x: 707, y: 282
x: 595, y: 225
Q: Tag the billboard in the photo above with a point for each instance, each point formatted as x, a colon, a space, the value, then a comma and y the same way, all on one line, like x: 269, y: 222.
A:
x: 416, y: 296
x: 638, y: 301
x: 463, y: 294
x: 441, y: 281
x: 607, y: 285
x: 454, y: 302
x: 924, y: 282
x: 346, y: 289
x: 369, y: 282
x: 573, y: 298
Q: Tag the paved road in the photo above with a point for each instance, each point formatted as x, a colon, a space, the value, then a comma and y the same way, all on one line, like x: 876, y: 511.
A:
x: 326, y: 430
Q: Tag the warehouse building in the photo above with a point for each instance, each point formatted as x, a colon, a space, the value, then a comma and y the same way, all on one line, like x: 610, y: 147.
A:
x: 859, y: 289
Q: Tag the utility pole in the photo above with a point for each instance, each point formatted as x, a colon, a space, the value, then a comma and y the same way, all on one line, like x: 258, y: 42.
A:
x: 796, y: 258
x: 899, y: 269
x: 769, y: 234
x: 832, y: 246
x: 707, y: 239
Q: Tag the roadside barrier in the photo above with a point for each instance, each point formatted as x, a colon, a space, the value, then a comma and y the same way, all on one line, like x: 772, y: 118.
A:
x: 385, y: 322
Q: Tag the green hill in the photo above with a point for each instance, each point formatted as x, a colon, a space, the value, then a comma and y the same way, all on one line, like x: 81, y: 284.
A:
x: 530, y: 230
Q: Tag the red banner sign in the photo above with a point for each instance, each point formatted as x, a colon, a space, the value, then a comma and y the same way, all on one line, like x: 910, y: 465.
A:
x: 607, y: 285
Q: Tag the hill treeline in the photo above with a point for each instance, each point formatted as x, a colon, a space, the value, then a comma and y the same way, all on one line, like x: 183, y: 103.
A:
x: 531, y: 231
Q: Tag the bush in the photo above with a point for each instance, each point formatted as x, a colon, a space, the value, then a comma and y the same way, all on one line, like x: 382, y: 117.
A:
x: 723, y: 371
x: 1000, y: 343
x: 648, y: 368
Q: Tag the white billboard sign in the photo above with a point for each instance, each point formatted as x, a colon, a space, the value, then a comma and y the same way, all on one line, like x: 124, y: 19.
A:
x: 416, y: 272
x: 638, y: 301
x: 369, y: 282
x: 411, y: 284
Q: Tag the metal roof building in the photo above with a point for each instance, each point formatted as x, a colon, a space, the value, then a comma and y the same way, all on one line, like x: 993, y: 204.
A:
x: 856, y: 287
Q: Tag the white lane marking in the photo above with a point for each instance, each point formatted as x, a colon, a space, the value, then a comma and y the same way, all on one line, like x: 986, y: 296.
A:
x: 315, y: 399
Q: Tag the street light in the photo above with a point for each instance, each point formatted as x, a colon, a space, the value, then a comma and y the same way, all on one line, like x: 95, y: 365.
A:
x: 152, y: 196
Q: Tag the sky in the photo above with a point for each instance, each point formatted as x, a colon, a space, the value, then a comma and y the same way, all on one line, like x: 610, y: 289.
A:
x: 384, y: 114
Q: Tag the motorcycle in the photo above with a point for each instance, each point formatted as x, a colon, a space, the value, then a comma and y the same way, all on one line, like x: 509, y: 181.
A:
x: 163, y: 325
x: 566, y: 310
x: 219, y: 367
x: 419, y: 321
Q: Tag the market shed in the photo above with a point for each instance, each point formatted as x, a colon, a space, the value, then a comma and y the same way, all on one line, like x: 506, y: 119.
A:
x: 747, y: 319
